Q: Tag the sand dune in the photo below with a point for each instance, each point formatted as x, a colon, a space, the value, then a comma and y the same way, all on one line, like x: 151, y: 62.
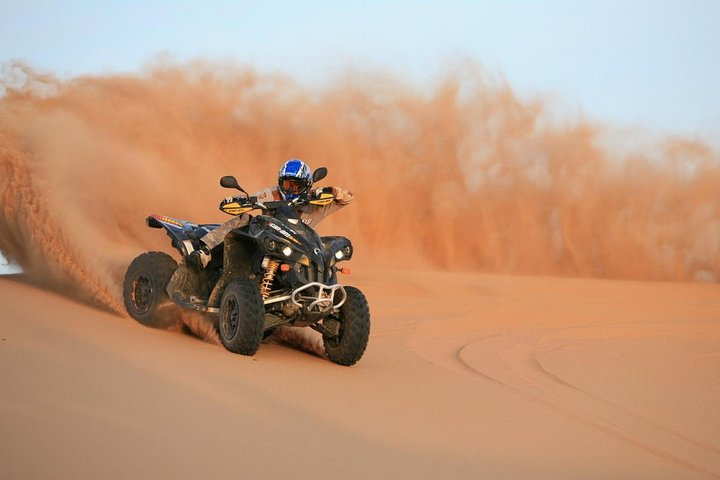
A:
x: 466, y: 376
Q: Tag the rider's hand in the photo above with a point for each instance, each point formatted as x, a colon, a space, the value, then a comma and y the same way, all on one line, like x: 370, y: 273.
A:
x: 320, y: 190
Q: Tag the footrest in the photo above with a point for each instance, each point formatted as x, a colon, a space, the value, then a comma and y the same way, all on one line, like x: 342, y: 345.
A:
x: 193, y: 303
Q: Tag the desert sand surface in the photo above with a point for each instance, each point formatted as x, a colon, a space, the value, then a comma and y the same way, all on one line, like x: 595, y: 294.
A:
x: 543, y: 289
x: 466, y: 376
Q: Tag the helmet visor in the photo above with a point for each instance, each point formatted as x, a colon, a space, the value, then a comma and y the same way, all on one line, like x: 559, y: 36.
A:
x: 293, y: 186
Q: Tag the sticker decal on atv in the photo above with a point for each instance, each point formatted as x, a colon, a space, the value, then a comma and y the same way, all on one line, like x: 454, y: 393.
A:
x: 170, y: 220
x: 282, y: 232
x: 234, y: 208
x: 324, y: 199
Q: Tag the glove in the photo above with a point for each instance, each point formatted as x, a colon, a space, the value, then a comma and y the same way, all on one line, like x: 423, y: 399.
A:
x: 230, y: 200
x: 320, y: 190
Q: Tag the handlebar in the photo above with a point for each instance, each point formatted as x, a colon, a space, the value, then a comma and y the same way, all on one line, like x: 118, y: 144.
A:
x: 245, y: 204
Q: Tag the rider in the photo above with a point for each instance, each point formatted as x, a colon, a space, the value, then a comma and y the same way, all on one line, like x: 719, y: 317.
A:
x: 294, y: 180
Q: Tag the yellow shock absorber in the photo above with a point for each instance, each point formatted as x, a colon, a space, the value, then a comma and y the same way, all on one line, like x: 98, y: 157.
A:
x: 268, y: 278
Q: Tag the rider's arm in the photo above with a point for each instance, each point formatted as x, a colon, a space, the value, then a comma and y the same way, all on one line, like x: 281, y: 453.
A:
x: 313, y: 214
x: 269, y: 194
x: 342, y: 196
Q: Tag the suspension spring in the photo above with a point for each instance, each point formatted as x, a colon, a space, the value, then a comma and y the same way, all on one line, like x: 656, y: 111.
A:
x: 268, y: 278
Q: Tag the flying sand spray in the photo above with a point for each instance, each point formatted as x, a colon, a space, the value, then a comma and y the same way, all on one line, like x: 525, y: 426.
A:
x: 467, y: 177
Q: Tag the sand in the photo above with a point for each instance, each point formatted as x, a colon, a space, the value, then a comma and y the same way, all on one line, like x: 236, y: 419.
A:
x: 493, y: 375
x: 466, y: 376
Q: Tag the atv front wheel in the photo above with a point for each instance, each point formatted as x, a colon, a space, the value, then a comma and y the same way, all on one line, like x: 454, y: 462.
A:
x: 349, y: 345
x: 242, y: 317
x: 144, y: 289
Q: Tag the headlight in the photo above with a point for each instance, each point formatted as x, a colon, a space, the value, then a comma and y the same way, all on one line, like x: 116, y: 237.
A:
x: 270, y: 245
x: 339, y: 254
x: 287, y: 251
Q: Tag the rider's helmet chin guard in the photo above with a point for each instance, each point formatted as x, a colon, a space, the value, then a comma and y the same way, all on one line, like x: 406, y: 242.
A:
x: 294, y: 179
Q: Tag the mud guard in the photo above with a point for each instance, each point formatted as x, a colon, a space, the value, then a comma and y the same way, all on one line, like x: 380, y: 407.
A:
x: 182, y: 233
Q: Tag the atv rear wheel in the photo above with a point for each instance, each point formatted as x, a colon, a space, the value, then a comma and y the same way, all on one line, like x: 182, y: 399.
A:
x: 349, y: 345
x: 144, y: 289
x: 242, y: 317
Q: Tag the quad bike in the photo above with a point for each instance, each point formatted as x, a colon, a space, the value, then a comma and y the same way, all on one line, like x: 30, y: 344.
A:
x: 274, y: 270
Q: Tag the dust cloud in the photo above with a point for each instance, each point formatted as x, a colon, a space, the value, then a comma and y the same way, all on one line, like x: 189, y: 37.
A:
x: 468, y: 176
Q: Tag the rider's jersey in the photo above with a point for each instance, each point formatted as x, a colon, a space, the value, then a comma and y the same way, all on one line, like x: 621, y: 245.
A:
x: 310, y: 214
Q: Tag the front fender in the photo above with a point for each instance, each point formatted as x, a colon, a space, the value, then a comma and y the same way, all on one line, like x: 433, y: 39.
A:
x: 333, y: 245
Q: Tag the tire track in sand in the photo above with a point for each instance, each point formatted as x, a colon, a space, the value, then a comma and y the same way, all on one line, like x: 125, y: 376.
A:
x: 511, y: 360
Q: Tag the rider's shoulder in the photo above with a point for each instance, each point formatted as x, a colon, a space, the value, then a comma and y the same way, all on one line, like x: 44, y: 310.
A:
x: 268, y: 194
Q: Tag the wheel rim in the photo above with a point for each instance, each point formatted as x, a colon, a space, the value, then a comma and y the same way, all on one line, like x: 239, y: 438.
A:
x: 230, y: 318
x: 142, y: 293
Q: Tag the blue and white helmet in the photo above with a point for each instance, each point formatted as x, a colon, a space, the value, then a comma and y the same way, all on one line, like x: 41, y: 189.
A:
x: 294, y: 179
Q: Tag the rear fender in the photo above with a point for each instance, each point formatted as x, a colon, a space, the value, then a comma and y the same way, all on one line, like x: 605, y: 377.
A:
x: 182, y: 233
